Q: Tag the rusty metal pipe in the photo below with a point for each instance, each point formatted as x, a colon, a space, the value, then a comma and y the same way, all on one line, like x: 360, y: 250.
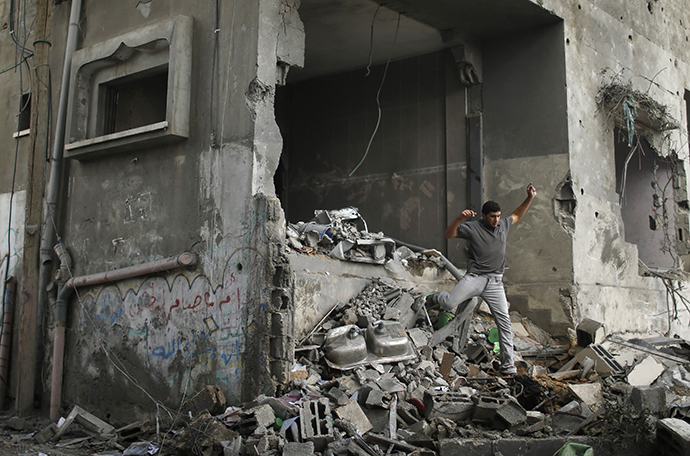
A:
x: 455, y: 272
x: 6, y: 338
x: 180, y: 261
x: 58, y: 364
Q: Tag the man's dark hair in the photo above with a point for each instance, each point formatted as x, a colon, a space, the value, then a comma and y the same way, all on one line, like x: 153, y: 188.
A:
x: 490, y: 206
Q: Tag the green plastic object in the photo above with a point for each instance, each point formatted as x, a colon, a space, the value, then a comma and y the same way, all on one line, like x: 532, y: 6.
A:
x: 497, y: 349
x: 444, y: 318
x: 493, y: 335
x: 277, y: 424
x: 575, y: 449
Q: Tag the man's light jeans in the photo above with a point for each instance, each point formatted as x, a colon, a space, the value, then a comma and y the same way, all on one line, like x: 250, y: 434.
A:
x: 490, y: 288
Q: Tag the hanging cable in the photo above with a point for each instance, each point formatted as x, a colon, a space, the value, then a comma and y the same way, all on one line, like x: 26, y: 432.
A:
x: 371, y: 41
x: 378, y: 98
x: 216, y: 32
x: 16, y: 42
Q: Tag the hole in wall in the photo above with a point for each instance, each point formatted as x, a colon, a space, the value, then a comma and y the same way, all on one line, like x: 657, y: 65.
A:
x: 596, y: 214
x: 327, y: 115
x: 647, y: 210
x: 239, y: 267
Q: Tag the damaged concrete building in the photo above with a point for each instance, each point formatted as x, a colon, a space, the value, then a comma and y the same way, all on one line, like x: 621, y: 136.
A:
x: 155, y: 152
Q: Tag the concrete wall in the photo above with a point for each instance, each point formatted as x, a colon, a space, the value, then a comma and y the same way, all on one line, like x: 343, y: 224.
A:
x: 159, y: 338
x: 643, y: 43
x: 229, y: 320
x: 526, y: 140
x: 15, y: 81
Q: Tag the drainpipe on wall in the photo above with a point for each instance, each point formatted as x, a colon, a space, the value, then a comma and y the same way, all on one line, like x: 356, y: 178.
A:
x: 61, y: 301
x: 6, y: 337
x: 53, y: 187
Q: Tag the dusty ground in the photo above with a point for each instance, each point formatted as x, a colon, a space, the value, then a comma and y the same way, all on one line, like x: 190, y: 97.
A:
x: 16, y: 438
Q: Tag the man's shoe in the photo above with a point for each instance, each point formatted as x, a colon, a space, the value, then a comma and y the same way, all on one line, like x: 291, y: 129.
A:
x: 431, y: 302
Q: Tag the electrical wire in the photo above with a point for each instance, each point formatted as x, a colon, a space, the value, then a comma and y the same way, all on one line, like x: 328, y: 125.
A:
x: 371, y: 42
x: 8, y: 258
x: 378, y: 97
x: 16, y: 42
x: 216, y: 32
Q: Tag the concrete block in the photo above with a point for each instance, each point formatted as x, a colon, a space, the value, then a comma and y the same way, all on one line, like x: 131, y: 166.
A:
x: 298, y: 449
x: 510, y: 415
x: 673, y: 437
x: 264, y: 415
x: 391, y: 385
x: 90, y: 422
x: 280, y: 369
x: 454, y: 406
x: 46, y: 433
x: 512, y: 447
x: 408, y: 413
x: 589, y: 393
x: 590, y: 332
x: 353, y: 413
x: 419, y: 337
x: 569, y: 417
x: 605, y: 363
x: 485, y: 408
x: 210, y: 398
x: 649, y: 398
x: 379, y: 419
x: 281, y: 347
x: 476, y: 353
x: 281, y: 323
x: 465, y: 447
x: 316, y: 423
x: 536, y: 421
x: 401, y: 310
x: 645, y: 372
x: 377, y: 398
x: 337, y: 396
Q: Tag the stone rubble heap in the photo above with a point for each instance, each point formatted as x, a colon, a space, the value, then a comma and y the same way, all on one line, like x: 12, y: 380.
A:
x: 605, y: 393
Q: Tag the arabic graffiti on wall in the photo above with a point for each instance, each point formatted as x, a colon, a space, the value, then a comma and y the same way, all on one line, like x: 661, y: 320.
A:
x: 182, y: 319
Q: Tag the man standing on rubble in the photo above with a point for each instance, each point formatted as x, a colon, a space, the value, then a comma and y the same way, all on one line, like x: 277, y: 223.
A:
x: 485, y: 265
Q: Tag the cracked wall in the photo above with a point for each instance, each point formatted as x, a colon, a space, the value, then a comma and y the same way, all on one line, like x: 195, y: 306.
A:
x: 227, y: 321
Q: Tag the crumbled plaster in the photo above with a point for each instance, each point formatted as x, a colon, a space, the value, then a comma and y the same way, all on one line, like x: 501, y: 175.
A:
x: 144, y: 8
x: 564, y: 204
x: 290, y: 48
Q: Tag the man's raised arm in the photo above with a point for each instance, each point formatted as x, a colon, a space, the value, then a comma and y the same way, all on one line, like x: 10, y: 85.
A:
x: 521, y: 209
x: 452, y: 230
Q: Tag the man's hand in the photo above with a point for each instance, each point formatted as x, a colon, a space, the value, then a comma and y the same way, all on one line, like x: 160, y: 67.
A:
x: 452, y: 230
x: 520, y: 211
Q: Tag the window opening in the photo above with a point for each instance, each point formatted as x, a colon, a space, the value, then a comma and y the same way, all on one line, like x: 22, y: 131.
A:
x: 133, y: 101
x: 644, y: 183
x: 24, y: 117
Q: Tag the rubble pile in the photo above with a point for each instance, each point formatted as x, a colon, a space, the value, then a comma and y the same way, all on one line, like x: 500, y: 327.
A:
x: 383, y: 374
x: 369, y: 382
x: 343, y: 234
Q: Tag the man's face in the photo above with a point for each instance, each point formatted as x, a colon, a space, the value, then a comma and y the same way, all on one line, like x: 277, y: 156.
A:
x: 492, y: 218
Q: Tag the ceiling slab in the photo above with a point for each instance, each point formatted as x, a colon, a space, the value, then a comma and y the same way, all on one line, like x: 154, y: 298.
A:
x: 343, y: 35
